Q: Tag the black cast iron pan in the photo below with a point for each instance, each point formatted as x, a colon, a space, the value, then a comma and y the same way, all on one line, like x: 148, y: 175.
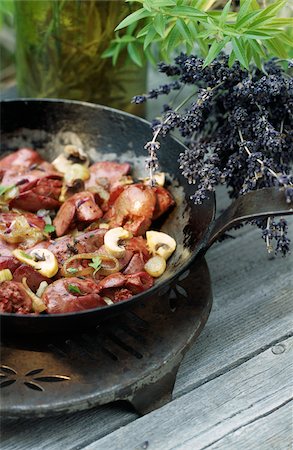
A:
x: 46, y: 125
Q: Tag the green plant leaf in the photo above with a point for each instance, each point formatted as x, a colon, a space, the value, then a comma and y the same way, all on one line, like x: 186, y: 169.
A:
x: 116, y: 53
x: 184, y: 31
x: 159, y: 24
x: 174, y: 39
x: 255, y: 55
x: 257, y: 34
x: 126, y: 39
x: 49, y: 228
x: 214, y: 50
x: 245, y: 20
x: 282, y: 21
x: 260, y: 21
x: 72, y: 270
x: 189, y: 12
x: 230, y: 31
x: 248, y: 51
x: 162, y: 3
x: 204, y: 5
x: 109, y: 52
x: 148, y: 5
x: 144, y: 30
x: 276, y: 48
x: 232, y: 59
x: 74, y: 289
x: 96, y: 264
x: 257, y: 48
x: 150, y: 36
x: 224, y: 14
x: 244, y: 9
x: 134, y: 17
x: 150, y: 57
x: 240, y: 52
x: 272, y: 9
x: 287, y: 39
x: 134, y: 54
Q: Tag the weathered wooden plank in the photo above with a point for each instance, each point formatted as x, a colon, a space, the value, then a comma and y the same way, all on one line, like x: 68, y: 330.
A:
x: 252, y: 308
x: 209, y: 413
x: 64, y: 432
x: 271, y: 432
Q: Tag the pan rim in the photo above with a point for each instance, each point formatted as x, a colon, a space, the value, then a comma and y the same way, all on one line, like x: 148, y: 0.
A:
x: 156, y: 287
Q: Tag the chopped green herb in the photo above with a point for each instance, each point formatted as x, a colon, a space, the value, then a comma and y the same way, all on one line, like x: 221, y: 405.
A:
x: 4, y: 189
x: 96, y: 263
x: 74, y: 289
x: 72, y: 270
x: 49, y: 228
x: 25, y: 255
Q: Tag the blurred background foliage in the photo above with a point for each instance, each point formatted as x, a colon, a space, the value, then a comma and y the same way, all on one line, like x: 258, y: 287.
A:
x: 7, y: 43
x: 7, y: 36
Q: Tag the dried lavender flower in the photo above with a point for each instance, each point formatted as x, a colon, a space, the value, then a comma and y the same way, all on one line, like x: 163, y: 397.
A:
x: 237, y: 125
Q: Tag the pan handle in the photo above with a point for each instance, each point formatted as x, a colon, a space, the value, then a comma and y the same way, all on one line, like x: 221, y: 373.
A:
x: 256, y: 204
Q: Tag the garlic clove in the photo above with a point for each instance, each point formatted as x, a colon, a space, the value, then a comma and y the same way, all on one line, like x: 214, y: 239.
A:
x: 76, y: 172
x: 155, y: 266
x: 160, y: 244
x: 61, y: 163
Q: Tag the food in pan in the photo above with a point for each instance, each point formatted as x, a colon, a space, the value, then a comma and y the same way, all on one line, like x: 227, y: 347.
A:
x: 76, y: 236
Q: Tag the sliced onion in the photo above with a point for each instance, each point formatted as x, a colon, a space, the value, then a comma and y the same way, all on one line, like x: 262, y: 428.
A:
x: 104, y: 270
x: 37, y: 303
x: 108, y: 301
x: 5, y: 275
x: 41, y: 289
x: 10, y: 194
x: 20, y: 232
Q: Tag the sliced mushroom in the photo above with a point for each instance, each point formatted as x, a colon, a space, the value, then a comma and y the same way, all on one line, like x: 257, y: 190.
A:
x: 155, y: 266
x: 41, y: 259
x: 61, y: 163
x: 160, y: 243
x: 76, y: 172
x: 76, y: 154
x: 112, y: 238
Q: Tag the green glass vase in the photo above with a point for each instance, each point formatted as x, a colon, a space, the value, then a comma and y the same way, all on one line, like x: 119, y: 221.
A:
x: 59, y: 48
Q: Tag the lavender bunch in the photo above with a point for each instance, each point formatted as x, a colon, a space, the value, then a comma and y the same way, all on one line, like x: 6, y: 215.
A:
x: 237, y: 126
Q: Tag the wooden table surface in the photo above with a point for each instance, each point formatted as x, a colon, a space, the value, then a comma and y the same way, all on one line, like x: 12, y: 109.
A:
x: 234, y: 386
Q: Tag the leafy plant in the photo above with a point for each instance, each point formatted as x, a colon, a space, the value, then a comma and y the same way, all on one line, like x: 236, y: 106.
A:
x: 249, y: 34
x: 7, y: 42
x: 59, y: 49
